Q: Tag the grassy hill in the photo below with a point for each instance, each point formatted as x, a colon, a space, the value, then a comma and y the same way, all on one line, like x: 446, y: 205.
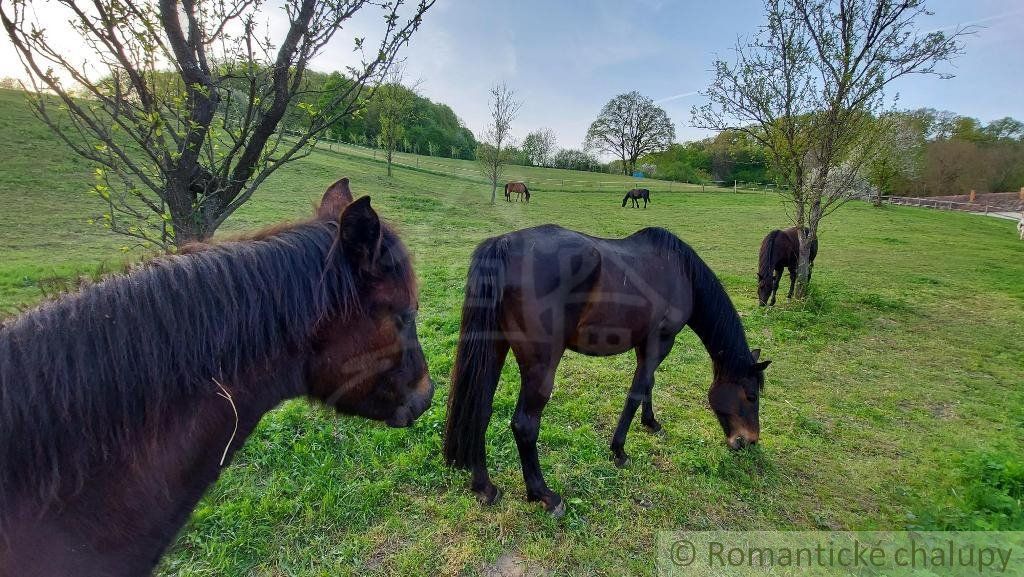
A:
x: 894, y: 399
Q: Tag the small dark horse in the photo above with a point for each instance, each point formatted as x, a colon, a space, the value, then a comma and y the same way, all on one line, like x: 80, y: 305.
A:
x: 635, y: 195
x: 522, y: 193
x: 543, y: 290
x: 779, y: 250
x: 121, y: 404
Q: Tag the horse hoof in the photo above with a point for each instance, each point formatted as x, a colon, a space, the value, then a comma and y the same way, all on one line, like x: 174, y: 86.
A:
x: 488, y: 501
x: 622, y: 462
x: 657, y: 430
x: 558, y: 511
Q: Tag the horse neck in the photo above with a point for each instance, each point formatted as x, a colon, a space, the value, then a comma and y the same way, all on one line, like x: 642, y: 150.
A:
x: 715, y: 321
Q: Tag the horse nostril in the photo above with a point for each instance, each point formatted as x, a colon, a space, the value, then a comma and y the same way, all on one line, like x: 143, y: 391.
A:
x: 738, y: 442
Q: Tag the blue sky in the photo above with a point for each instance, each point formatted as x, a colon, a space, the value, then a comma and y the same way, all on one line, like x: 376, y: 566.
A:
x: 566, y: 59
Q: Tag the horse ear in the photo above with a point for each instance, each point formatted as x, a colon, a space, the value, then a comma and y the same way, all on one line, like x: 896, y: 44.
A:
x: 761, y: 366
x: 336, y: 198
x: 755, y: 354
x: 360, y: 234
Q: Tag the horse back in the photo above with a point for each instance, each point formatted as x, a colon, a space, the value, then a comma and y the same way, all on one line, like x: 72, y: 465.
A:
x: 595, y: 296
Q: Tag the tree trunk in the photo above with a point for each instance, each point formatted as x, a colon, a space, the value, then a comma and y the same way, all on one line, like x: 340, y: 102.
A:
x: 807, y: 238
x: 389, y: 152
x: 494, y: 190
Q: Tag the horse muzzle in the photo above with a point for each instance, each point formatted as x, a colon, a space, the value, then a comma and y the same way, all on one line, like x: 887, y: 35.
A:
x: 416, y: 404
x: 742, y: 440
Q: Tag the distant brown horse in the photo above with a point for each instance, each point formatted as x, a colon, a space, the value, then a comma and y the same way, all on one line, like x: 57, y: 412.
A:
x: 522, y: 193
x: 779, y: 250
x: 121, y: 404
x: 635, y: 195
x: 543, y: 290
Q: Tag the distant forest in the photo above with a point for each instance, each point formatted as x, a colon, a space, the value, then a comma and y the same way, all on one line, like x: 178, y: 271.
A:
x: 940, y: 152
x: 430, y: 128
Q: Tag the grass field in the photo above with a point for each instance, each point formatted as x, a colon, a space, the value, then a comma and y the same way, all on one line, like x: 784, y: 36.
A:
x: 894, y: 399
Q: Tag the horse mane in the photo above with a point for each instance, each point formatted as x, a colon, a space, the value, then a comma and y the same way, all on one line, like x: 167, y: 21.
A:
x: 765, y: 263
x: 83, y: 375
x: 714, y: 318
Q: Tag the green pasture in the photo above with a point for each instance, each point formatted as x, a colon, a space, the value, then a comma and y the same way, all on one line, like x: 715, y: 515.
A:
x: 895, y: 398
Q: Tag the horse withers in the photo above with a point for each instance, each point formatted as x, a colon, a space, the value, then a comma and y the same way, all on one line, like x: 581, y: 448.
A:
x: 519, y: 188
x: 543, y: 290
x: 122, y: 403
x: 780, y: 250
x: 635, y: 195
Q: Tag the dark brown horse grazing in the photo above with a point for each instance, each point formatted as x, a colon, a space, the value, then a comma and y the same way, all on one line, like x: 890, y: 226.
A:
x: 121, y: 404
x: 635, y: 195
x: 543, y: 290
x: 779, y: 250
x: 522, y: 193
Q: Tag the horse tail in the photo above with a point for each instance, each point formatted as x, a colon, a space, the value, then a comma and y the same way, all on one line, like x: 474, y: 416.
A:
x: 766, y: 263
x: 478, y: 360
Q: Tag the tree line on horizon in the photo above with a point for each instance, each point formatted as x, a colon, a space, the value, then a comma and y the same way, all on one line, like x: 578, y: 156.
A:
x: 936, y: 153
x: 939, y: 152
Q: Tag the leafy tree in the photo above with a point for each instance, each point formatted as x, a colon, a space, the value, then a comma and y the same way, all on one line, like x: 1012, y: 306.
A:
x: 629, y: 126
x: 425, y: 122
x: 898, y: 154
x: 539, y: 146
x: 187, y: 120
x: 571, y: 159
x: 394, y: 102
x: 493, y: 154
x: 1005, y: 129
x: 689, y: 162
x: 808, y: 88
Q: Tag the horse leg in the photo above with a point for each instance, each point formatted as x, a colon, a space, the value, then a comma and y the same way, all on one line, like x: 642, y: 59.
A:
x: 538, y: 381
x: 792, y: 281
x: 649, y: 355
x: 776, y: 279
x: 486, y: 491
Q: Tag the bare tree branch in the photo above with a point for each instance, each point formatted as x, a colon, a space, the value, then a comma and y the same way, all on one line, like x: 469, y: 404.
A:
x: 186, y: 119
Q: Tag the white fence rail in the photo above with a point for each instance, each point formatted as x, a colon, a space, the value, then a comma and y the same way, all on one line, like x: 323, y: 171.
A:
x: 942, y: 204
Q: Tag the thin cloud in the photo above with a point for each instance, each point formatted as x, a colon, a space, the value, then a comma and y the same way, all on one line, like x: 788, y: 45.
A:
x: 977, y: 22
x: 676, y: 97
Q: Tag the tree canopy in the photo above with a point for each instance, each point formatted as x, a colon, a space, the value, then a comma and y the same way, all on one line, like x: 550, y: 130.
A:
x: 629, y: 126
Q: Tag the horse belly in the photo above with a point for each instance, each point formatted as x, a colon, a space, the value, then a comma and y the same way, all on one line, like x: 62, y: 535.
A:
x: 615, y: 321
x: 606, y: 336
